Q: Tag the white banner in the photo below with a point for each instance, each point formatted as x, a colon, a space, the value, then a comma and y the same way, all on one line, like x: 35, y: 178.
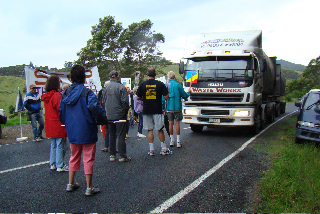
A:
x: 39, y: 78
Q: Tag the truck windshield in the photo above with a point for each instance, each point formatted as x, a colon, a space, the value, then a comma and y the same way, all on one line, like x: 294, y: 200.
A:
x: 221, y: 68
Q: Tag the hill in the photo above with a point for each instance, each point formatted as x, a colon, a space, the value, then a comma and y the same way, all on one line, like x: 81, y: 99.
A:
x: 290, y: 65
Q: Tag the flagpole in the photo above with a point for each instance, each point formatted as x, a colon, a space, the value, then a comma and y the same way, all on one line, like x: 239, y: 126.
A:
x: 19, y: 108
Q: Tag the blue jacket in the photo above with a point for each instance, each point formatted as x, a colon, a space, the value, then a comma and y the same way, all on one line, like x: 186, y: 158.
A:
x: 32, y: 102
x: 176, y: 92
x: 81, y: 112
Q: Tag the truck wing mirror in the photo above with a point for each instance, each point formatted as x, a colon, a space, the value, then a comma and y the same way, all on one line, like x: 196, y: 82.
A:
x: 298, y: 104
x: 181, y: 68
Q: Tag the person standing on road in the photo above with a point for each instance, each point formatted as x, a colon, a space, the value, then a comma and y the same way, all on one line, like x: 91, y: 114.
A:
x: 151, y: 92
x: 115, y: 101
x: 104, y: 128
x: 53, y: 126
x: 174, y: 106
x: 81, y: 112
x: 32, y: 103
x: 138, y: 107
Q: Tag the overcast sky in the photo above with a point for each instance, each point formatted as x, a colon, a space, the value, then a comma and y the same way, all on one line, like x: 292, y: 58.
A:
x: 52, y: 32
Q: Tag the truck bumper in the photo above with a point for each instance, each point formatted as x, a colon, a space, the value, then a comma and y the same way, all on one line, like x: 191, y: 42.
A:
x: 219, y: 116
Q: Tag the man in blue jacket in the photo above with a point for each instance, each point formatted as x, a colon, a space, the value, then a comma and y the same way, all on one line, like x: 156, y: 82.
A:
x: 174, y: 106
x: 32, y: 103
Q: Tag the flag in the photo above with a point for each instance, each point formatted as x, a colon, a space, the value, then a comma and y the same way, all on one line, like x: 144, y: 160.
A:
x: 19, y: 103
x: 193, y: 75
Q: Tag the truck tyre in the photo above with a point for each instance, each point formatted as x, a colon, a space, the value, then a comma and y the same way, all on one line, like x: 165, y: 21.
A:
x: 263, y: 120
x: 196, y: 128
x: 282, y: 107
x: 270, y: 116
x: 255, y: 129
x: 277, y: 110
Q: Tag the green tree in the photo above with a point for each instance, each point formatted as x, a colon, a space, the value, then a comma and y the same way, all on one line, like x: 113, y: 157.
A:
x: 105, y: 47
x: 141, y: 47
x: 125, y: 50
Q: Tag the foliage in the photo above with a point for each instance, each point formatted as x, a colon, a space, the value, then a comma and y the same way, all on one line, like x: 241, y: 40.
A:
x: 126, y: 50
x: 310, y: 80
x: 292, y: 183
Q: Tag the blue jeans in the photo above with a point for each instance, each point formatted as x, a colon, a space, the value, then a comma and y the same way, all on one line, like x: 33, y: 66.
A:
x: 140, y: 126
x: 56, y: 152
x: 34, y: 118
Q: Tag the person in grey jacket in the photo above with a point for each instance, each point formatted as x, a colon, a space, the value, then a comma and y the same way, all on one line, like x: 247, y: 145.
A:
x: 115, y: 101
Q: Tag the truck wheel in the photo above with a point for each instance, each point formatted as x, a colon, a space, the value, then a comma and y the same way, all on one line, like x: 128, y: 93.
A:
x: 270, y: 117
x: 196, y: 128
x: 255, y: 129
x: 282, y: 108
x: 263, y: 121
x: 278, y: 110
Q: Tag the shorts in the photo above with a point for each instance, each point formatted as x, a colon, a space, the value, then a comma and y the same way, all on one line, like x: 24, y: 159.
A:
x: 174, y: 116
x: 153, y: 121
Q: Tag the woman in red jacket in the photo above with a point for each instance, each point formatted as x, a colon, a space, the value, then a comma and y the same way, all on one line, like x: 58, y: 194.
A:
x: 53, y: 126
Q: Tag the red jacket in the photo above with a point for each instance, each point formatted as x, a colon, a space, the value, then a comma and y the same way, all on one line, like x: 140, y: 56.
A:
x: 53, y: 126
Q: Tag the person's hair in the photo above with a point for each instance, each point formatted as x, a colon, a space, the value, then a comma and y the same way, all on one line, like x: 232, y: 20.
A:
x: 78, y: 74
x: 151, y: 72
x: 53, y: 83
x: 171, y: 75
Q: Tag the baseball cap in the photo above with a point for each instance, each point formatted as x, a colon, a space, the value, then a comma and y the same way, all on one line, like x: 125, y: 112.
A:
x: 113, y: 74
x: 32, y: 86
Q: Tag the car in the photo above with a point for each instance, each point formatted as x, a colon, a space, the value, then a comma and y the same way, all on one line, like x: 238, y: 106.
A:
x: 308, y: 120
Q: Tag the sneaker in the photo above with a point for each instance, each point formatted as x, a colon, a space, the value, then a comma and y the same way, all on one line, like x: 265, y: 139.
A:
x: 124, y: 159
x: 71, y: 187
x: 112, y: 158
x: 166, y: 152
x: 91, y: 191
x: 141, y: 135
x: 64, y: 168
x: 53, y: 167
x: 179, y: 145
x: 40, y: 138
x: 151, y: 153
x: 172, y: 144
x: 138, y: 134
x: 36, y: 139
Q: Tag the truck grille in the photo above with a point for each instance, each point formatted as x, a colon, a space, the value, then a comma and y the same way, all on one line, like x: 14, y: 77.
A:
x: 217, y: 97
x: 215, y: 112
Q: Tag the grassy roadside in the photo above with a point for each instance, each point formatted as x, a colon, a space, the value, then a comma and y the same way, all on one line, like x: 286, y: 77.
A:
x: 292, y: 183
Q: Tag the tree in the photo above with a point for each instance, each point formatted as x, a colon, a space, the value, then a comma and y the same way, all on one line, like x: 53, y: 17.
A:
x: 105, y: 47
x: 125, y: 50
x: 141, y: 47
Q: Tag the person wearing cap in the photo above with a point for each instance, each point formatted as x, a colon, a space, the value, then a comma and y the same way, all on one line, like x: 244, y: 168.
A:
x: 115, y: 101
x: 151, y: 92
x: 32, y: 102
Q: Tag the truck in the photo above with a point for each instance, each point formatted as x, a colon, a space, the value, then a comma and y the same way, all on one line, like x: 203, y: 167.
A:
x: 233, y: 82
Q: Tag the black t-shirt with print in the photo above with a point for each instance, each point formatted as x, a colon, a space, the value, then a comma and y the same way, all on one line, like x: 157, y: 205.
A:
x: 152, y: 92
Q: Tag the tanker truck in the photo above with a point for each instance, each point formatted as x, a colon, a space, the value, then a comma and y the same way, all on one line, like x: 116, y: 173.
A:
x: 233, y: 82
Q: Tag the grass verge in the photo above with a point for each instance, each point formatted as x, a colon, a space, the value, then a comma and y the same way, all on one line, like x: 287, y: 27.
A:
x: 292, y: 183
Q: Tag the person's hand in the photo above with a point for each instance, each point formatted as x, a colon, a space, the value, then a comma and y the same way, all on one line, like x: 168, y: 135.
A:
x: 189, y: 90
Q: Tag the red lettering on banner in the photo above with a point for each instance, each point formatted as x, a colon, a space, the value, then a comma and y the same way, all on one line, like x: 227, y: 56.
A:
x: 40, y: 76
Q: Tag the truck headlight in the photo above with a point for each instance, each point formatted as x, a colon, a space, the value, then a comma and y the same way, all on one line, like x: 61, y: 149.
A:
x: 190, y: 112
x: 241, y: 113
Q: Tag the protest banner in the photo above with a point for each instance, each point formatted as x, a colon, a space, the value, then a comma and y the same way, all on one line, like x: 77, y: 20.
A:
x: 39, y: 78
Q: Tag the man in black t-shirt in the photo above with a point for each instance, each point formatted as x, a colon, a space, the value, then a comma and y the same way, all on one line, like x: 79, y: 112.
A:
x: 151, y: 92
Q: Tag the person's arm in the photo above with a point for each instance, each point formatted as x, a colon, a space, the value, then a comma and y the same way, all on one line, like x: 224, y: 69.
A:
x: 96, y: 109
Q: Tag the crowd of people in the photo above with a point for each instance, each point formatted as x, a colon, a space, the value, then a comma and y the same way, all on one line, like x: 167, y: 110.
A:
x: 76, y: 113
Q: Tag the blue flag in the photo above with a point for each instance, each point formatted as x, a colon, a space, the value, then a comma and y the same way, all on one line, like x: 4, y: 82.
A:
x: 19, y: 102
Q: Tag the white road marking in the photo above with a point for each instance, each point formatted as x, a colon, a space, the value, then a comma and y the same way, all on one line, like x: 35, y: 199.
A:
x: 174, y: 199
x: 23, y: 167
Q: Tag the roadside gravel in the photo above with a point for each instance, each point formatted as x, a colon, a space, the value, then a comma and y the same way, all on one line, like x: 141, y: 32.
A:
x: 10, y: 133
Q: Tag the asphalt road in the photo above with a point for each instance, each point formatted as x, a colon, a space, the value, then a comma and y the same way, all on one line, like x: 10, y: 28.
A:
x: 208, y: 174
